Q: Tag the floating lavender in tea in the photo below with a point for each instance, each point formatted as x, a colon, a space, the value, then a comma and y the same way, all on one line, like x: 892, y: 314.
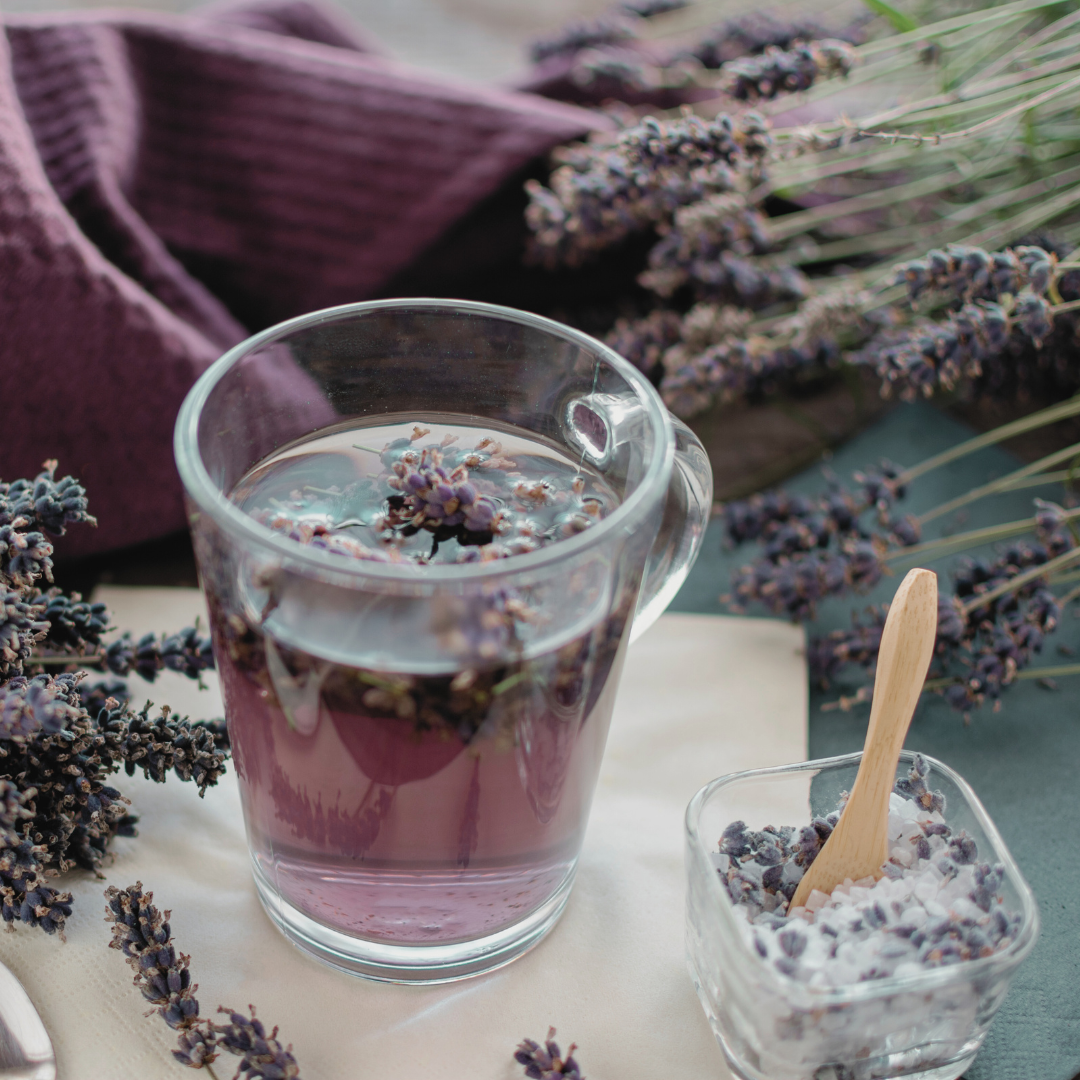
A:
x: 405, y: 786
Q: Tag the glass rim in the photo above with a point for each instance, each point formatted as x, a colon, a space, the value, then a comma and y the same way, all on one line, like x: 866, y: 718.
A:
x: 929, y: 979
x: 201, y: 488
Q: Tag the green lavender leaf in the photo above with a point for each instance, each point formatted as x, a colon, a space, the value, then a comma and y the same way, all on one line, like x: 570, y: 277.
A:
x: 901, y: 22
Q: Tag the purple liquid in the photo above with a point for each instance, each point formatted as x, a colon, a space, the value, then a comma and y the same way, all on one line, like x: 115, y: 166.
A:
x: 425, y: 806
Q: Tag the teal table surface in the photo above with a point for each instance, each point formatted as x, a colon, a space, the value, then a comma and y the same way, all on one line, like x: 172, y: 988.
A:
x: 1023, y: 760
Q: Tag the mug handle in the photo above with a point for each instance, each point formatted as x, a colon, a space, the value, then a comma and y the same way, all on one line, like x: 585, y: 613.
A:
x: 682, y: 528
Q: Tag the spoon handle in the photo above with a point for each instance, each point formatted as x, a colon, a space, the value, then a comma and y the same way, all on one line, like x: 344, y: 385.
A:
x: 859, y: 845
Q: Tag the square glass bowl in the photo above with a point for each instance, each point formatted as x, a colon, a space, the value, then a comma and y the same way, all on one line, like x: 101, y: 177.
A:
x: 772, y: 1027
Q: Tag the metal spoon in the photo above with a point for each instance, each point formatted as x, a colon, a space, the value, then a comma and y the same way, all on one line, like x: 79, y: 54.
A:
x: 859, y: 845
x: 26, y: 1052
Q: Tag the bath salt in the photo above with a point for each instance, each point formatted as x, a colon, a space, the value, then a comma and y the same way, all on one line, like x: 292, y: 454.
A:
x: 936, y: 903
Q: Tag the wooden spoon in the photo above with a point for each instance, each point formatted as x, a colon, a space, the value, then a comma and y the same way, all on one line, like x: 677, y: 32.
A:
x: 859, y: 845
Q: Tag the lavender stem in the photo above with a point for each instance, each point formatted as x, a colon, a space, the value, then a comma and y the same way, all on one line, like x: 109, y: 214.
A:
x: 1003, y: 483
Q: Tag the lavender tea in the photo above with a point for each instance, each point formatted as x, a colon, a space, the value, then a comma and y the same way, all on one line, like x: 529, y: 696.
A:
x: 420, y: 773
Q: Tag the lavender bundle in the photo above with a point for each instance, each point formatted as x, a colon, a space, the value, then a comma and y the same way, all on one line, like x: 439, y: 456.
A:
x: 142, y: 933
x: 768, y: 232
x: 61, y: 742
x: 997, y: 323
x: 1000, y: 611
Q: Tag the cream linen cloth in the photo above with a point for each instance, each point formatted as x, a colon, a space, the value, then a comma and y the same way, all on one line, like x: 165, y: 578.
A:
x: 700, y: 696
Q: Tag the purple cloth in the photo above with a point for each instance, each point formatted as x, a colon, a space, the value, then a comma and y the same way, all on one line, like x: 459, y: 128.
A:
x: 168, y: 183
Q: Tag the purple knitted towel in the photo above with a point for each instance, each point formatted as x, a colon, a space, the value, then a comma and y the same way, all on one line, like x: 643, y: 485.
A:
x: 167, y: 182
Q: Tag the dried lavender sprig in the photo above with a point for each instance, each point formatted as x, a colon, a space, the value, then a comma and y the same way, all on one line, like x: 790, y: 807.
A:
x: 817, y: 548
x: 187, y: 652
x: 777, y: 71
x: 925, y: 357
x: 63, y: 775
x: 143, y: 934
x: 753, y: 33
x: 263, y: 1057
x: 603, y: 192
x: 95, y: 696
x: 827, y: 656
x: 741, y: 362
x: 545, y: 1062
x: 610, y: 29
x: 735, y: 369
x: 710, y: 246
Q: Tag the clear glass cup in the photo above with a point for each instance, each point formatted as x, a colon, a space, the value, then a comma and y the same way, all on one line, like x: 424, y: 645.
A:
x: 415, y: 789
x: 771, y: 1027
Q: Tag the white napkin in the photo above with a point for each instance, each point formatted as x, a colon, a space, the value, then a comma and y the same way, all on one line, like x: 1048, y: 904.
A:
x: 700, y: 696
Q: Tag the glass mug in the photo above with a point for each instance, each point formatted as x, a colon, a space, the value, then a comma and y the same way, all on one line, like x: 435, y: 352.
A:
x: 417, y: 746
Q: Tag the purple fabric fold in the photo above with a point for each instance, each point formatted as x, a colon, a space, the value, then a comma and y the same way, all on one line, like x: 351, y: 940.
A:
x: 169, y: 183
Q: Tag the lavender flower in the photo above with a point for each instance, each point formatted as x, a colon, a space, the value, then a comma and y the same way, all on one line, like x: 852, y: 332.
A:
x: 794, y: 586
x: 434, y: 497
x: 45, y: 502
x: 170, y: 743
x: 31, y: 705
x: 56, y: 808
x: 734, y: 369
x: 186, y: 651
x: 778, y: 71
x: 913, y: 787
x: 142, y: 933
x: 969, y: 273
x: 602, y: 193
x: 816, y: 548
x: 318, y: 534
x: 545, y: 1062
x: 13, y: 813
x: 24, y: 556
x: 709, y: 246
x: 95, y: 696
x: 583, y: 34
x: 263, y: 1057
x: 73, y: 624
x: 22, y: 626
x: 752, y: 33
x: 644, y: 341
x: 24, y: 896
